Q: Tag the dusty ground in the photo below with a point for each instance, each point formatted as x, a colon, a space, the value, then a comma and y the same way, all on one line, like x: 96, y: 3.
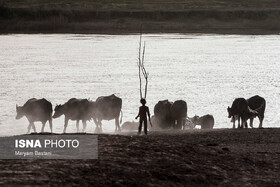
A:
x: 235, y: 157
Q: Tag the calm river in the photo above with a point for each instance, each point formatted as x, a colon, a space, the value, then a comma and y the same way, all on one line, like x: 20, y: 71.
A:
x: 207, y: 71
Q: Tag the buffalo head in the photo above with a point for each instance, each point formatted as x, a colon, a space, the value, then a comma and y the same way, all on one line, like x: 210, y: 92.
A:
x: 229, y: 112
x: 20, y: 112
x: 58, y: 111
x: 195, y: 119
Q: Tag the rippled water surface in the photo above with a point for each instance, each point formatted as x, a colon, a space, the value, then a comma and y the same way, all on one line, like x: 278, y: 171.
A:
x: 208, y: 71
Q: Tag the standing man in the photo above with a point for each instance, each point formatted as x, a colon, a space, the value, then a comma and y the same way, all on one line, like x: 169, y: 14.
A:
x: 143, y: 112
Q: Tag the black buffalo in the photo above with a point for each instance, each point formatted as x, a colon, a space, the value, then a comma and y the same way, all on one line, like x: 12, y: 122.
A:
x: 258, y: 104
x: 74, y: 109
x: 36, y: 110
x: 169, y: 114
x: 178, y: 112
x: 241, y: 109
x: 206, y: 121
x: 130, y: 126
x: 162, y: 114
x: 106, y: 108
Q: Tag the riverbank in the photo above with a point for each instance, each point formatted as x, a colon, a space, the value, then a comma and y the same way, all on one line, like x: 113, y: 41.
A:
x: 121, y: 17
x: 227, y: 157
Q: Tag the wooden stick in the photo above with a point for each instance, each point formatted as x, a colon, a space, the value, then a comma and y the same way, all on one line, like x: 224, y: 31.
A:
x: 139, y: 65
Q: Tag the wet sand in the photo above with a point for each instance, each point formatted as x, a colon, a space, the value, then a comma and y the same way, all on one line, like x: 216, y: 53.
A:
x: 235, y: 157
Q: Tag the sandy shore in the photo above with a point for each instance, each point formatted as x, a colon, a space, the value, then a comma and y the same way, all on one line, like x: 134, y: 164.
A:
x: 223, y: 157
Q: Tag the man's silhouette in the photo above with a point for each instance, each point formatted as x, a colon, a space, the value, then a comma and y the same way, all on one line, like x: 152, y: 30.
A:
x: 143, y: 111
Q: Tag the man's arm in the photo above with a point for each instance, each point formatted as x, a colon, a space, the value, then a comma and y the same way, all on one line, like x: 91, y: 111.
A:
x: 138, y: 114
x: 148, y: 112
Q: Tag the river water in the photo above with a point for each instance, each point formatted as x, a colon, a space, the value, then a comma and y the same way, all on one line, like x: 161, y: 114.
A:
x: 207, y: 71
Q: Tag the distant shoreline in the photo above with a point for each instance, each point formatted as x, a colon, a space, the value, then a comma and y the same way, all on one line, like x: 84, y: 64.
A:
x: 125, y: 21
x: 133, y: 32
x: 112, y: 28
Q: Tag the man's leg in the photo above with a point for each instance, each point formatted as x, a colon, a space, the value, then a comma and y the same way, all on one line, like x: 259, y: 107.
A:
x: 140, y: 127
x: 145, y: 127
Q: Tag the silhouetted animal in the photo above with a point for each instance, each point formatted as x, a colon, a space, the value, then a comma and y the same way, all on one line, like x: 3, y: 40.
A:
x: 74, y: 109
x: 241, y: 109
x: 188, y: 123
x: 178, y: 113
x: 206, y: 121
x: 162, y: 114
x: 170, y: 114
x: 106, y: 108
x: 258, y: 104
x: 130, y: 126
x: 36, y: 110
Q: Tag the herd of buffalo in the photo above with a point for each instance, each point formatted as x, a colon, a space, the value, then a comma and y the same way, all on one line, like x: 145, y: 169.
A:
x: 166, y: 114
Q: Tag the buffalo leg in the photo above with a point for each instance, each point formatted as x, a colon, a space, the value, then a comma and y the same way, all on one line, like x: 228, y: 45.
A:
x: 180, y: 124
x: 177, y: 124
x: 77, y: 125
x: 65, y: 124
x: 100, y: 124
x: 251, y: 122
x: 96, y: 122
x: 51, y: 125
x: 233, y: 119
x: 84, y: 125
x: 243, y: 122
x: 261, y: 121
x: 33, y: 127
x: 239, y: 126
x: 43, y: 126
x: 28, y: 128
x: 117, y: 123
x: 31, y: 124
x: 98, y: 128
x: 183, y: 123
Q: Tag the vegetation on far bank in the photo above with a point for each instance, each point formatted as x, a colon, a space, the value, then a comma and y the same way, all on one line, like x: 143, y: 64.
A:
x: 170, y: 5
x: 86, y: 16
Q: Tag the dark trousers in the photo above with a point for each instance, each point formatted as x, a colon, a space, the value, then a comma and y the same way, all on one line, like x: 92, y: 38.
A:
x: 140, y: 126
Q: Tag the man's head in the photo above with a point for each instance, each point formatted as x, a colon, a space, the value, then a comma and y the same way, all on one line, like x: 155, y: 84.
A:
x: 143, y: 101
